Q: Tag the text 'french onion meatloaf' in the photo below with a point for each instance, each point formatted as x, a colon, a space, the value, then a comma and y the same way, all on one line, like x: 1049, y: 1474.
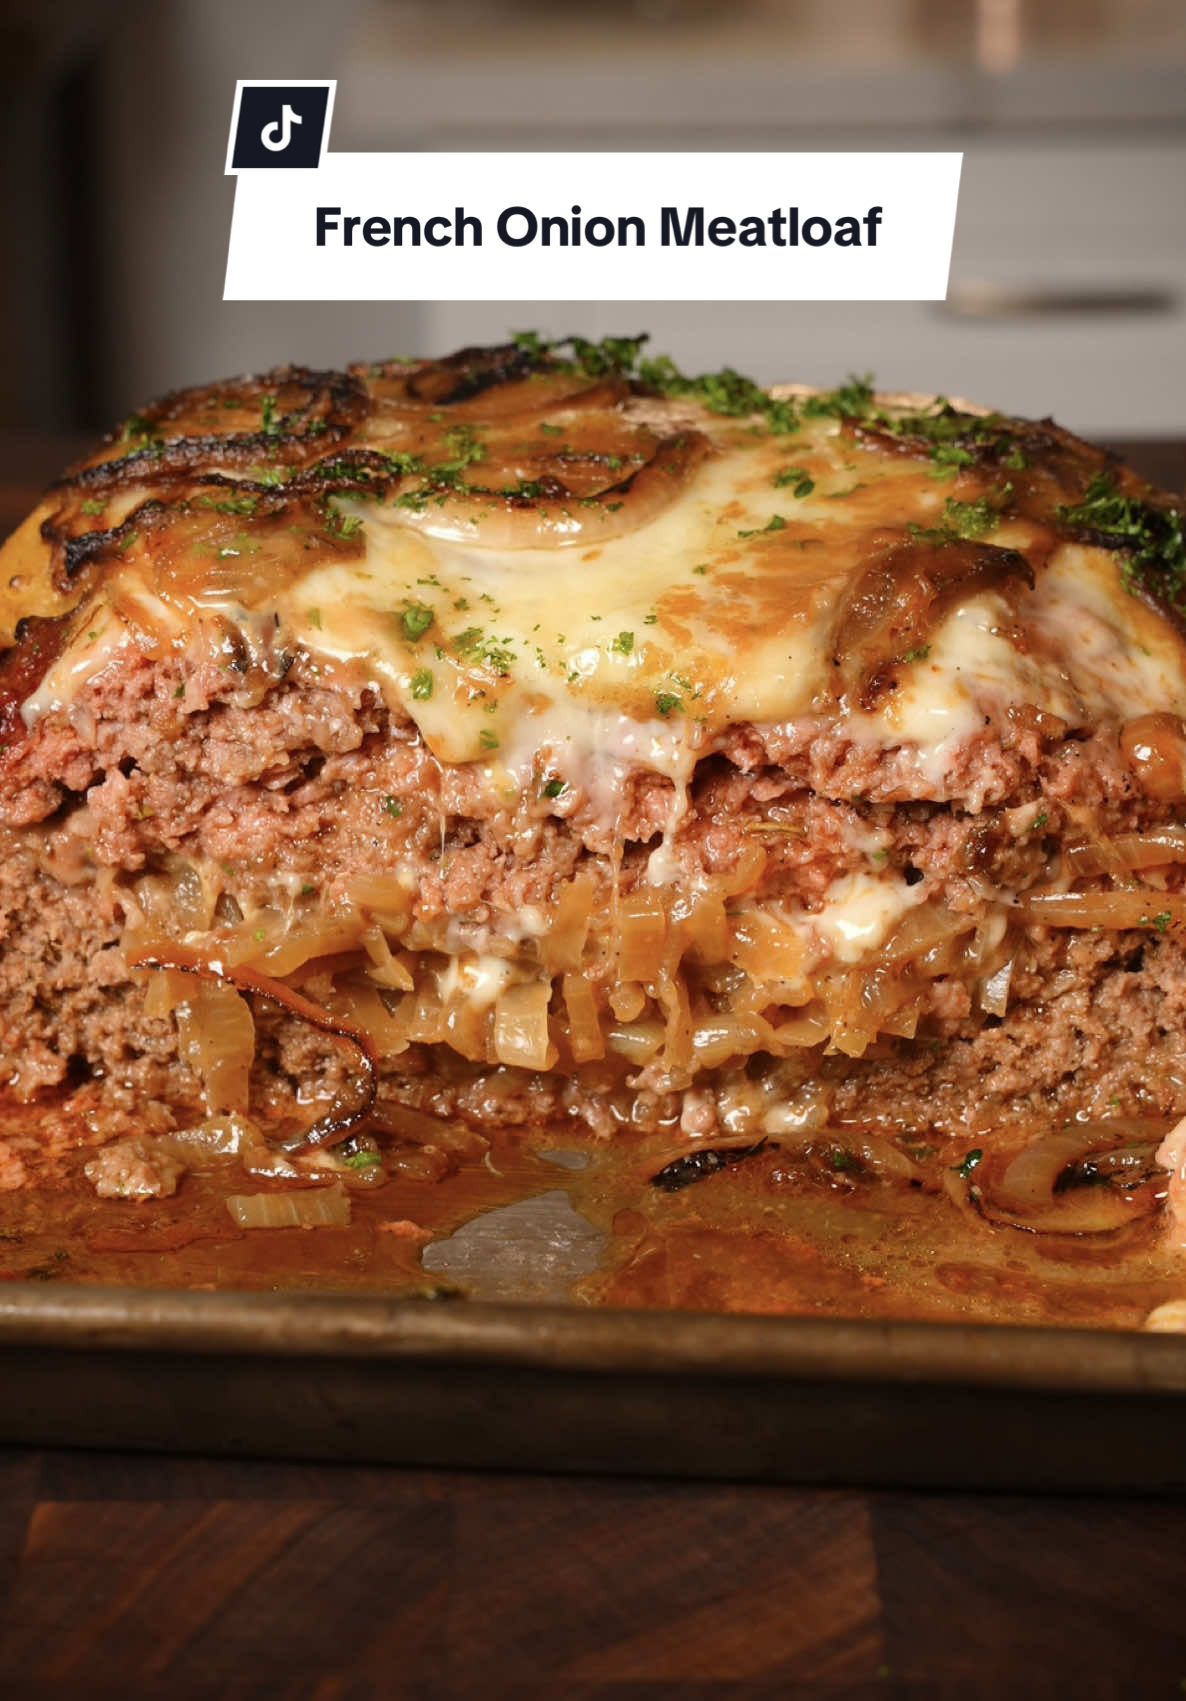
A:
x: 539, y: 735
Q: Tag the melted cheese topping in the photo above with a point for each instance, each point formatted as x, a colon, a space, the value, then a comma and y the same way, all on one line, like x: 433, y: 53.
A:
x: 639, y: 652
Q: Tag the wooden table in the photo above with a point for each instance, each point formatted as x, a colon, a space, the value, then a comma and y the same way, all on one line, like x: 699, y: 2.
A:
x: 176, y: 1578
x: 143, y: 1577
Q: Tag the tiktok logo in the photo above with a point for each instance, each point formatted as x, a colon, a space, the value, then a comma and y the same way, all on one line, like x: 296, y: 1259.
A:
x: 277, y: 135
x: 279, y: 124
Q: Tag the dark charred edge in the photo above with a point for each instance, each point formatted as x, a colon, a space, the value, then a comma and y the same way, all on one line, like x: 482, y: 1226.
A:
x: 78, y: 553
x: 335, y: 404
x: 471, y: 371
x: 40, y: 640
x: 344, y: 394
x: 338, y: 1123
x: 706, y: 1161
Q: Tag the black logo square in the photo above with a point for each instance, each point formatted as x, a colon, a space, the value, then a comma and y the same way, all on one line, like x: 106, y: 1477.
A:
x: 280, y: 125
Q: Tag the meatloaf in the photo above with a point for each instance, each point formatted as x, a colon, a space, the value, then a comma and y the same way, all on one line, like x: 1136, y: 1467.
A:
x: 541, y: 735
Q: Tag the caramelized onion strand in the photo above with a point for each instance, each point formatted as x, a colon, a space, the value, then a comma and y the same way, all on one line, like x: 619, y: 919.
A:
x: 339, y: 1122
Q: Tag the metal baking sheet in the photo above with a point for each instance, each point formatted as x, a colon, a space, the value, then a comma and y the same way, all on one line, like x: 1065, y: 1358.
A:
x: 566, y: 1388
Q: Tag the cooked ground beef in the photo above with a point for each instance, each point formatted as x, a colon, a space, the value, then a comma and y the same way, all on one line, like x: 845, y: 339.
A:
x: 311, y: 786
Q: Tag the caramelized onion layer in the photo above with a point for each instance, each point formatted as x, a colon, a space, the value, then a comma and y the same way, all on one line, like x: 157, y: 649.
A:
x: 343, y: 1118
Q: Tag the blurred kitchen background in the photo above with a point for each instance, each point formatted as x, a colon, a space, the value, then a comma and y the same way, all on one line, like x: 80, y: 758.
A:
x: 1068, y: 287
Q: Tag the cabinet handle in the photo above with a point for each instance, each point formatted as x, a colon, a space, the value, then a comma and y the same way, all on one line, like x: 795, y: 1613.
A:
x: 989, y: 301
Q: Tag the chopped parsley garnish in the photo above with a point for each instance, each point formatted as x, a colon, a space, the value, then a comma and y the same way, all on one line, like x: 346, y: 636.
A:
x: 949, y: 458
x: 955, y: 439
x: 393, y: 807
x: 967, y: 520
x: 139, y: 434
x: 919, y: 653
x: 1160, y: 923
x: 853, y: 400
x: 422, y: 683
x: 362, y: 1160
x: 416, y: 620
x: 796, y: 480
x: 776, y: 523
x: 228, y: 504
x: 623, y: 644
x: 1153, y: 538
x: 93, y: 506
x: 555, y: 788
x: 488, y: 740
x: 970, y: 1163
x: 974, y: 519
x: 473, y: 645
x: 1039, y: 821
x: 667, y: 702
x: 313, y: 616
x: 270, y: 422
x: 725, y: 392
x: 701, y: 569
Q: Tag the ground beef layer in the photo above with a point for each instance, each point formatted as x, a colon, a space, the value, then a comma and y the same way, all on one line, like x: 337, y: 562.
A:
x: 291, y: 788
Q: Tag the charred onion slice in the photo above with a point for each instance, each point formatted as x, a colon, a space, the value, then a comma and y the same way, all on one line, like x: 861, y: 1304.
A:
x: 339, y: 1121
x: 1089, y: 1180
x: 287, y: 417
x: 547, y: 513
x: 507, y: 381
x: 39, y: 642
x: 900, y: 598
x: 696, y: 1166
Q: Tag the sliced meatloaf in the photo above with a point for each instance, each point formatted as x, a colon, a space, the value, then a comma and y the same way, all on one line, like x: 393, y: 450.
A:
x: 541, y: 735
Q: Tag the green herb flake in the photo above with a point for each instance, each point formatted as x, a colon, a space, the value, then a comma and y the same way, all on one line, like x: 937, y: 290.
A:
x: 555, y: 788
x: 796, y: 480
x: 970, y: 1163
x: 776, y: 523
x: 363, y: 1160
x: 1152, y: 537
x: 93, y: 506
x: 228, y: 504
x: 393, y: 807
x: 623, y: 644
x: 422, y: 684
x: 667, y: 702
x: 313, y: 616
x: 416, y: 620
x: 853, y: 400
x: 725, y: 392
x: 487, y: 739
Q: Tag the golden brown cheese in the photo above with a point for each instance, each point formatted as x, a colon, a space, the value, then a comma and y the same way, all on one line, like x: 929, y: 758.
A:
x: 693, y: 573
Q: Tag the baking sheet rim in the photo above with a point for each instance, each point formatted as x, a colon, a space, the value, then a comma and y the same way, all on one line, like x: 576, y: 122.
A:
x: 574, y: 1338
